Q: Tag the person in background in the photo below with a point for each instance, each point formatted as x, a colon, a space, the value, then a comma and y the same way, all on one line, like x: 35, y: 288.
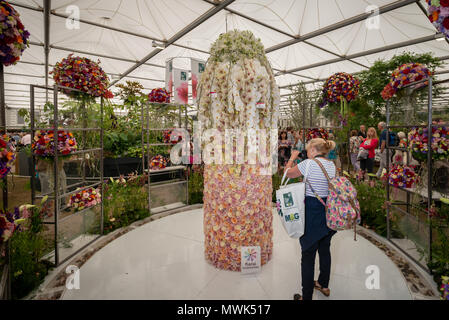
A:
x: 354, y: 144
x: 284, y: 149
x: 333, y: 154
x: 16, y: 138
x: 299, y: 145
x: 382, y: 142
x: 26, y: 139
x: 317, y: 236
x: 362, y: 131
x: 291, y: 136
x: 370, y: 144
x: 400, y: 157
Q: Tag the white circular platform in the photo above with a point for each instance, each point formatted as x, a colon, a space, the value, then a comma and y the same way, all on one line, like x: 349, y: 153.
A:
x: 164, y: 259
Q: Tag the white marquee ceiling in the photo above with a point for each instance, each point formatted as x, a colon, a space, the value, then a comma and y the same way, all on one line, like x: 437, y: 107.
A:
x: 306, y: 40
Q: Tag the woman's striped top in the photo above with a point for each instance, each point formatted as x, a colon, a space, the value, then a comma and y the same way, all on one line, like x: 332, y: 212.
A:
x: 316, y: 176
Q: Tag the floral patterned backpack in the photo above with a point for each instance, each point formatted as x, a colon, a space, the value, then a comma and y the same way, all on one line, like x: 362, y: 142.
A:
x: 342, y: 207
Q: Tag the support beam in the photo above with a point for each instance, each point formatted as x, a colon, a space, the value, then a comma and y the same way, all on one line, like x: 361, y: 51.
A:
x: 47, y: 8
x: 344, y: 23
x: 177, y: 36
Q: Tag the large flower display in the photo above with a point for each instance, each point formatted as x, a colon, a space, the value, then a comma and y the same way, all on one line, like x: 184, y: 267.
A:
x: 438, y: 12
x: 404, y: 75
x: 43, y: 144
x: 237, y: 91
x: 7, y: 155
x: 402, y: 176
x: 159, y: 95
x: 340, y: 87
x: 317, y: 133
x: 13, y: 36
x: 419, y: 138
x: 82, y: 74
x: 85, y: 199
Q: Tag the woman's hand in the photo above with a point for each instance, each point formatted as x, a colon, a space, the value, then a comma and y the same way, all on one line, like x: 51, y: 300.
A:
x: 294, y: 156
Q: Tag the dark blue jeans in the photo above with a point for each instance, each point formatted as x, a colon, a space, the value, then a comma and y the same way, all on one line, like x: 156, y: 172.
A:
x: 308, y: 265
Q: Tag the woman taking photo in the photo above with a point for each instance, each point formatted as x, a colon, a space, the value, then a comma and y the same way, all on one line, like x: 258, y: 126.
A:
x: 317, y: 236
x: 370, y: 144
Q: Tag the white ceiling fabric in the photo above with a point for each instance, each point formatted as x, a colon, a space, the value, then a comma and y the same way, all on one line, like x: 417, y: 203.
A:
x: 273, y: 21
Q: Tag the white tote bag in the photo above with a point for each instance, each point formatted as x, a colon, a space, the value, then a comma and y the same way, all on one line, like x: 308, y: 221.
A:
x: 291, y: 206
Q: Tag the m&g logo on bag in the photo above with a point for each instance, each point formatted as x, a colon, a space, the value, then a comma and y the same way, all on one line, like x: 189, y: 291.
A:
x: 292, y: 217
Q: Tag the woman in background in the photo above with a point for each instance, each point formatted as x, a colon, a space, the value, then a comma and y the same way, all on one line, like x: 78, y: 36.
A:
x: 333, y: 154
x: 284, y: 149
x: 370, y: 144
x: 354, y: 145
x: 299, y: 145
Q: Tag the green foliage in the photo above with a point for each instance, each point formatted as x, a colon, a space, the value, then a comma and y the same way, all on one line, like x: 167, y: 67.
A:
x: 27, y: 248
x: 440, y: 245
x: 196, y: 186
x: 125, y: 201
x: 372, y: 207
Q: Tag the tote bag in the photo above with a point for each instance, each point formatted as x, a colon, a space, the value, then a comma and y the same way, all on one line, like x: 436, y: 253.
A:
x: 291, y: 206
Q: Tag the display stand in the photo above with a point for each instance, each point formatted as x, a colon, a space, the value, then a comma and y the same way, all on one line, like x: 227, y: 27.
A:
x: 429, y: 196
x: 56, y: 195
x: 181, y: 169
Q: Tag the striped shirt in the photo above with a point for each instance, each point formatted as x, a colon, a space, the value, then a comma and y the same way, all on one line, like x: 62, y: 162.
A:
x: 316, y: 176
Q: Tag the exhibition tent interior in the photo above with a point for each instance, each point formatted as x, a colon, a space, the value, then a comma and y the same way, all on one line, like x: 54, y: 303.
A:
x: 165, y: 251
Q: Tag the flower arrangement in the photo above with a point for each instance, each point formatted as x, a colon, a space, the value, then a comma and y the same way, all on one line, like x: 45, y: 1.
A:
x: 159, y: 95
x: 158, y: 162
x: 340, y: 86
x: 404, y: 75
x: 172, y: 136
x: 7, y: 155
x: 82, y: 74
x: 438, y: 12
x: 43, y: 144
x: 419, y: 138
x: 317, y: 133
x: 402, y: 176
x: 85, y: 199
x: 14, y: 37
x: 445, y: 288
x: 9, y: 223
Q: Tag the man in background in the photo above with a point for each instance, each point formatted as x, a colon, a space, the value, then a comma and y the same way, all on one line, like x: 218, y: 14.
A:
x: 362, y: 131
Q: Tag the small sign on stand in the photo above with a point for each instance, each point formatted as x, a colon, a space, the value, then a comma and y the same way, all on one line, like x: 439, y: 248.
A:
x: 250, y: 259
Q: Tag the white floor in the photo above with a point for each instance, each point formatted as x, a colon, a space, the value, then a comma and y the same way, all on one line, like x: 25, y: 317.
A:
x: 164, y: 259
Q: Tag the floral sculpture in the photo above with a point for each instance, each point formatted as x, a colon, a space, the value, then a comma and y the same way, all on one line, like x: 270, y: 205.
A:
x: 159, y: 95
x: 14, y: 37
x: 340, y: 87
x: 419, y: 139
x: 402, y: 176
x: 438, y: 12
x: 7, y: 155
x: 158, y: 162
x: 317, y: 133
x: 404, y: 75
x: 84, y: 75
x: 237, y: 91
x: 85, y: 199
x: 43, y: 144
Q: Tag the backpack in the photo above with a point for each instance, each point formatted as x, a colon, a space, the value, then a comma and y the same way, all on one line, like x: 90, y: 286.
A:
x: 342, y: 207
x: 393, y: 139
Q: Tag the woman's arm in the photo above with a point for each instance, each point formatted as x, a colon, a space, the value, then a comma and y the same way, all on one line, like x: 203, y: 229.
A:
x: 372, y: 145
x: 293, y: 171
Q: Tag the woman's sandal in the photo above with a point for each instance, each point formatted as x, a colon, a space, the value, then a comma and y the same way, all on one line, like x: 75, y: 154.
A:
x: 297, y: 296
x: 324, y: 291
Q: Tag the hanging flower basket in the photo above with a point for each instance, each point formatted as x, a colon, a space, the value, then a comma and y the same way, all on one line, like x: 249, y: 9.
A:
x: 43, y: 144
x: 158, y: 162
x: 7, y: 155
x: 85, y: 199
x: 340, y: 86
x: 13, y: 36
x: 438, y: 12
x: 402, y: 176
x: 159, y: 95
x: 82, y: 74
x: 419, y: 138
x: 317, y: 133
x: 404, y: 75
